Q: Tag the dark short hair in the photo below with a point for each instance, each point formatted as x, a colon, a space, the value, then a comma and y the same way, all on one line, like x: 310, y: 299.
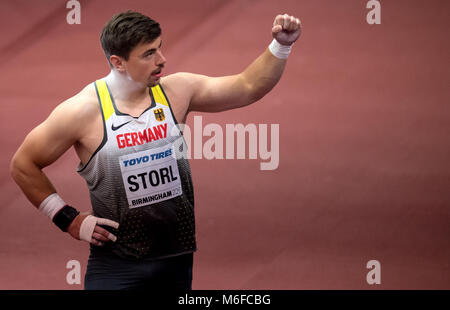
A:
x: 124, y: 31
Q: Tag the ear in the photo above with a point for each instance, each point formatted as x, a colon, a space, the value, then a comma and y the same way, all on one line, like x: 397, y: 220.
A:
x: 117, y: 62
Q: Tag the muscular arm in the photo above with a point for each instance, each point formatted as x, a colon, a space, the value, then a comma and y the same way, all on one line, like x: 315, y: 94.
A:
x: 214, y: 94
x: 43, y: 146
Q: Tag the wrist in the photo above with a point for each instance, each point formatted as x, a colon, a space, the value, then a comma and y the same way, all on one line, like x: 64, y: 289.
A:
x: 52, y: 205
x: 65, y: 217
x: 58, y: 211
x: 280, y: 51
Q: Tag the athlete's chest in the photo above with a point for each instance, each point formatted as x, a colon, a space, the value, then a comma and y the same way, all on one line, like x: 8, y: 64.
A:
x: 154, y: 124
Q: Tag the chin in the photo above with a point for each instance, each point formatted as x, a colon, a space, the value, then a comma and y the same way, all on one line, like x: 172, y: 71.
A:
x: 152, y: 83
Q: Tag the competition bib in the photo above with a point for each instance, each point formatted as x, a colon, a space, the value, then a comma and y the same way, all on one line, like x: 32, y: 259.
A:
x: 150, y: 176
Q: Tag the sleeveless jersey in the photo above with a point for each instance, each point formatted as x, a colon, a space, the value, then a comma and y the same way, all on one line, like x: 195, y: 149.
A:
x: 139, y: 178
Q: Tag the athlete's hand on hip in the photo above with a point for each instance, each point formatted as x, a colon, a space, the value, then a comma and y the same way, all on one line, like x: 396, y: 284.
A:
x: 286, y: 29
x: 86, y: 227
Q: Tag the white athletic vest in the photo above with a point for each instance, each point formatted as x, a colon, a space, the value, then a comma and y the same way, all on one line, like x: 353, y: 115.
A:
x: 139, y: 178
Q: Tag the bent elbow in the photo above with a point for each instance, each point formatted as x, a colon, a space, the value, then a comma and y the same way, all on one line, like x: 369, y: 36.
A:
x: 257, y: 96
x: 260, y: 93
x: 17, y: 168
x: 14, y: 169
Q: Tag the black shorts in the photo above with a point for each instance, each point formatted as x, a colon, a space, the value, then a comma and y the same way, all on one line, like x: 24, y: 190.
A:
x: 107, y: 271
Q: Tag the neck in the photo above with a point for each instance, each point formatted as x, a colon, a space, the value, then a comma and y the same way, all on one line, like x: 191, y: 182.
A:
x: 124, y: 88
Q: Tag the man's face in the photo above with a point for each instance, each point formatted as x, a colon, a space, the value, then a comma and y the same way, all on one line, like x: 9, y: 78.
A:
x: 146, y: 62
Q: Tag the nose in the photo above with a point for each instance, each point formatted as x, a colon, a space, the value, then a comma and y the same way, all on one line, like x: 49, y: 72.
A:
x: 161, y: 60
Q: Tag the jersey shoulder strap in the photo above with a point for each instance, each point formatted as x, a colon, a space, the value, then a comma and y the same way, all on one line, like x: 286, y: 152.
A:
x: 159, y: 96
x: 104, y: 99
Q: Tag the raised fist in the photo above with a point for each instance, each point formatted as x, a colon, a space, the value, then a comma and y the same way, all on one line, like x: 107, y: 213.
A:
x: 286, y: 29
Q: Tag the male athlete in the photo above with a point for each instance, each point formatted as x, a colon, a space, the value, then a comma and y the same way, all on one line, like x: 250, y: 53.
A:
x: 124, y: 130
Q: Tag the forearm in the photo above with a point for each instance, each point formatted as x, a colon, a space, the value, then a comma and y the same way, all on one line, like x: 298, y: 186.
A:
x: 263, y: 74
x: 215, y: 94
x: 32, y: 181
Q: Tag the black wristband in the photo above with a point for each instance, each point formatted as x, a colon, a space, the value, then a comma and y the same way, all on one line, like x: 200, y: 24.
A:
x: 64, y: 217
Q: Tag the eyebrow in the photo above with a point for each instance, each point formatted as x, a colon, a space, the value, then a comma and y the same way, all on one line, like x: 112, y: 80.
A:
x: 152, y: 50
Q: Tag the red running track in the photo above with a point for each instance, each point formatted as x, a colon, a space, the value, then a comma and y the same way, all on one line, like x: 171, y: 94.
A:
x: 364, y: 121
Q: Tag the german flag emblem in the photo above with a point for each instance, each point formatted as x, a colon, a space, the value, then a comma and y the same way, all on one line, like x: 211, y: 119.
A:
x: 159, y: 114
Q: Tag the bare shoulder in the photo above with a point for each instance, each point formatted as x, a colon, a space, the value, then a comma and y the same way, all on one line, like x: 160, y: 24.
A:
x: 67, y: 124
x: 179, y: 79
x: 182, y: 82
x: 180, y: 88
x: 75, y: 116
x: 83, y: 105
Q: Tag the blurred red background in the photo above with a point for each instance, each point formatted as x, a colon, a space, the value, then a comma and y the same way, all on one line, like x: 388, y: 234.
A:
x: 364, y: 120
